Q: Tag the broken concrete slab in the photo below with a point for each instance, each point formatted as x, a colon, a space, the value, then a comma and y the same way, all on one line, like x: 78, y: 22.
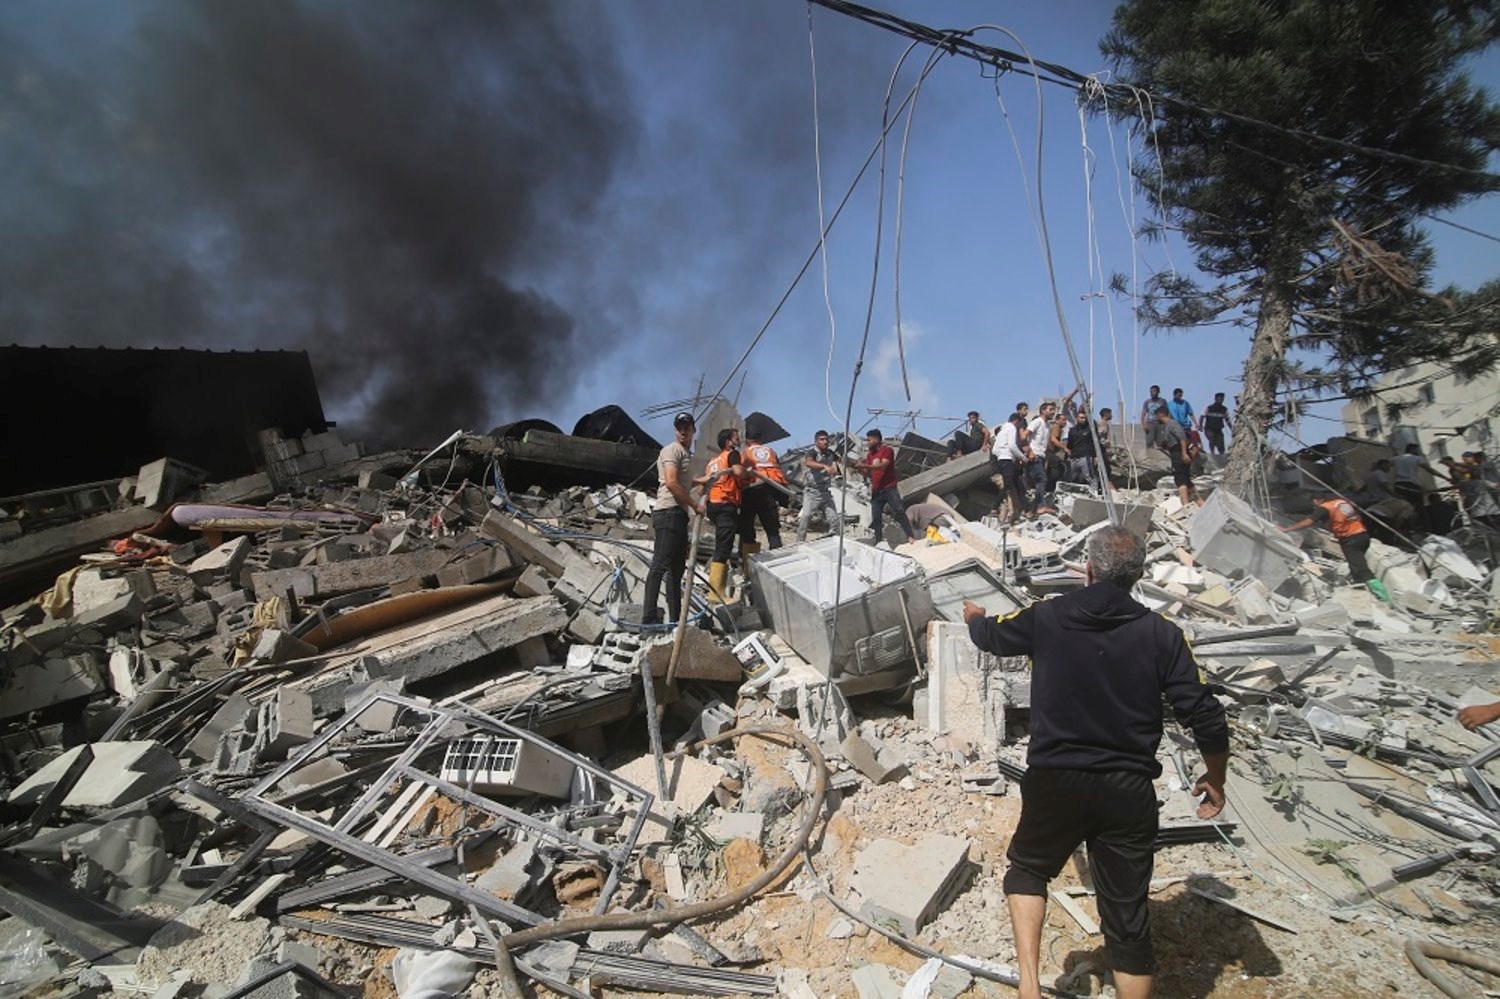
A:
x: 434, y: 645
x: 52, y: 681
x: 527, y: 546
x: 906, y: 886
x: 702, y: 658
x: 346, y: 577
x: 121, y: 772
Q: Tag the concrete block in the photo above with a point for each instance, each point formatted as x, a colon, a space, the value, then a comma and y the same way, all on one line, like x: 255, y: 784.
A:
x: 276, y: 646
x: 908, y: 885
x: 186, y: 622
x: 165, y: 479
x: 865, y: 758
x: 583, y: 582
x: 121, y: 772
x: 485, y: 563
x: 1330, y: 615
x: 619, y: 941
x: 92, y: 590
x: 223, y: 562
x: 716, y: 718
x: 587, y: 627
x: 702, y: 658
x: 532, y: 653
x: 511, y: 875
x: 234, y: 713
x: 290, y: 722
x: 532, y: 583
x: 738, y: 825
x: 877, y: 981
x: 52, y: 681
x: 1252, y: 603
x: 108, y: 618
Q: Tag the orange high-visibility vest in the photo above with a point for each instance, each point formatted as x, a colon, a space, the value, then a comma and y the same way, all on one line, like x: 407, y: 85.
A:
x: 762, y: 459
x: 1343, y: 519
x: 726, y: 488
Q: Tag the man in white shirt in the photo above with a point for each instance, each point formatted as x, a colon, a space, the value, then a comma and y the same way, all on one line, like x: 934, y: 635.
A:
x: 1040, y: 430
x: 1007, y: 459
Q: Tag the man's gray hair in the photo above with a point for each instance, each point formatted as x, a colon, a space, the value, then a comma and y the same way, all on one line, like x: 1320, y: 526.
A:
x: 1117, y: 556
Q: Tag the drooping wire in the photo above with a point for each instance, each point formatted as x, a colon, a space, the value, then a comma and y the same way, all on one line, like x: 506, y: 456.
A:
x: 812, y: 255
x: 833, y: 326
x: 1044, y: 240
x: 911, y: 115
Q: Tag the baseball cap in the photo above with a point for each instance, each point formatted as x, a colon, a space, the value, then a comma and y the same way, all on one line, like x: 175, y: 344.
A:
x: 684, y: 419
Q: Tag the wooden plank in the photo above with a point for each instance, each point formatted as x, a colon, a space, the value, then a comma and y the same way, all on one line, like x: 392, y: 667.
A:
x: 1072, y: 908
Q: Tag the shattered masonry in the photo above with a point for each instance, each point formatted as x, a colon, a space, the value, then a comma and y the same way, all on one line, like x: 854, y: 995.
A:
x: 269, y: 732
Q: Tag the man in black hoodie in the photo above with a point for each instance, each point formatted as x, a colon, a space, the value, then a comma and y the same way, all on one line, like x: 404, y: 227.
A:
x: 1101, y: 664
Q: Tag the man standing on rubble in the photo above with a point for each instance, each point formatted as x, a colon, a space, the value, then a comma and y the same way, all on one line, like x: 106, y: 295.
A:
x: 722, y: 480
x: 1173, y: 440
x: 819, y: 468
x: 1007, y: 458
x: 760, y: 501
x: 1101, y: 664
x: 880, y: 466
x: 669, y: 522
x: 1154, y: 404
x: 1039, y: 440
x: 1213, y: 421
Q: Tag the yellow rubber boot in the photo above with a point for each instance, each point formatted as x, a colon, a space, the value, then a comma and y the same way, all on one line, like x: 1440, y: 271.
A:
x: 718, y: 582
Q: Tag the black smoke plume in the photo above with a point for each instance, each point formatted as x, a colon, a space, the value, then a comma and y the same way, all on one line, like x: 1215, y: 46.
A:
x: 381, y: 184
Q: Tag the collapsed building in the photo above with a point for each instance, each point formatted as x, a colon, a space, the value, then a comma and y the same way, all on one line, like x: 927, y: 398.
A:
x: 390, y: 724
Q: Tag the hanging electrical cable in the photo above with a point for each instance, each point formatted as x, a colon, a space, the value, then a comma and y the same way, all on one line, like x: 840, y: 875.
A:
x: 900, y: 219
x: 833, y: 326
x: 1045, y: 241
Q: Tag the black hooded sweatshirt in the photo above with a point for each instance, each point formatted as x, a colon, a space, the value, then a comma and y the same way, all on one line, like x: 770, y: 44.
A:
x: 1100, y: 665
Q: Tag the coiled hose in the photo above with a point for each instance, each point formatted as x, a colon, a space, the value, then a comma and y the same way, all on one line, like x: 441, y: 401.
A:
x: 1421, y: 952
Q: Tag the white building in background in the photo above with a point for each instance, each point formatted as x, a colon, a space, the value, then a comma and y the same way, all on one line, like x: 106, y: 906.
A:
x: 1444, y: 413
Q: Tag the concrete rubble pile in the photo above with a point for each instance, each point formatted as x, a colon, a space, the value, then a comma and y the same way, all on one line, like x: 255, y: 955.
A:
x: 385, y: 725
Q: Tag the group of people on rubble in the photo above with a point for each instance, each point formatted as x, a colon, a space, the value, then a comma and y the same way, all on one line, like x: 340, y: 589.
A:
x: 742, y: 485
x: 1030, y: 455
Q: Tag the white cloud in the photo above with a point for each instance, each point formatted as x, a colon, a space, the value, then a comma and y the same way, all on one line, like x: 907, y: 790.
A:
x: 885, y: 371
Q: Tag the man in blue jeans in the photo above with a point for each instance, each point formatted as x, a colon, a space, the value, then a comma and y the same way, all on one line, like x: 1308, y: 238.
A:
x: 669, y: 522
x: 1101, y: 665
x: 880, y: 466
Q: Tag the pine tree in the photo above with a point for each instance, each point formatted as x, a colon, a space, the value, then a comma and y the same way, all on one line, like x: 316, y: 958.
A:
x: 1308, y: 230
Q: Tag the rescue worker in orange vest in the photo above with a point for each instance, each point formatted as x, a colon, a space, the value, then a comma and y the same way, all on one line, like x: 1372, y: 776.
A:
x: 760, y: 501
x: 1341, y: 517
x: 722, y: 481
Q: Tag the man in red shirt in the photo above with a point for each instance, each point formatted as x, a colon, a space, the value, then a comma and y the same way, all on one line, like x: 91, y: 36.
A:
x: 880, y: 466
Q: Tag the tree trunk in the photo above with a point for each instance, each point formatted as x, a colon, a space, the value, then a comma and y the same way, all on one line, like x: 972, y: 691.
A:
x: 1262, y: 377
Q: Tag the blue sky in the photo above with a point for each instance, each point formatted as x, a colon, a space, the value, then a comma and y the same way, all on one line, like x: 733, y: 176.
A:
x: 471, y: 214
x: 981, y: 328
